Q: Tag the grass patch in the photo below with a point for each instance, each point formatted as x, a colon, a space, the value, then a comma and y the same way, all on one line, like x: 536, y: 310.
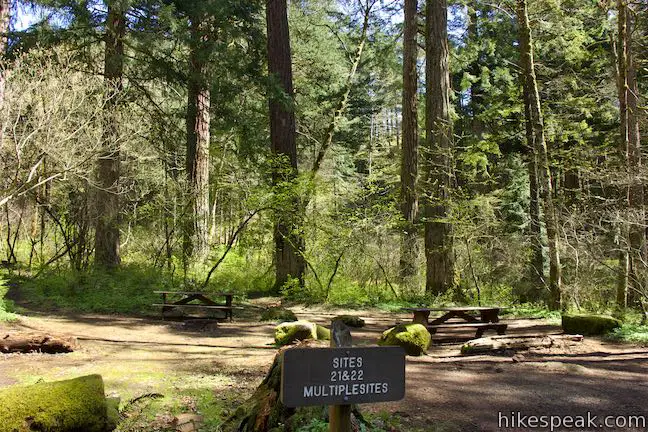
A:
x: 630, y: 333
x: 531, y: 311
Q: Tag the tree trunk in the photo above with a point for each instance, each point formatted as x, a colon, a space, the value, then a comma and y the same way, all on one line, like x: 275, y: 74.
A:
x: 439, y: 253
x: 637, y: 239
x: 289, y: 244
x: 196, y: 240
x: 409, y: 153
x: 107, y: 197
x: 5, y: 9
x: 537, y: 258
x: 544, y: 173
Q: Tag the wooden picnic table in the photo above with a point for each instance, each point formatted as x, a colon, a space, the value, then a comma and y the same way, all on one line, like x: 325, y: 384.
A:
x: 481, y: 318
x: 203, y: 299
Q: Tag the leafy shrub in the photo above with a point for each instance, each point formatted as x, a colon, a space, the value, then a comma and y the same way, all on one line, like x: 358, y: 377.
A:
x: 7, y: 308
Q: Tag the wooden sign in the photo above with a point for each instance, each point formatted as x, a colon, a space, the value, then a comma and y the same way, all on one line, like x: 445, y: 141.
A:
x: 342, y: 376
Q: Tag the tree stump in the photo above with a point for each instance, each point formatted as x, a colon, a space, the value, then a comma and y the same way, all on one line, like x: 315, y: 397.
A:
x: 263, y: 411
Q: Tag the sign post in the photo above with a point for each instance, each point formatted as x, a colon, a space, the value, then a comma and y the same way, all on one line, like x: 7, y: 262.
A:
x: 340, y: 415
x: 341, y: 376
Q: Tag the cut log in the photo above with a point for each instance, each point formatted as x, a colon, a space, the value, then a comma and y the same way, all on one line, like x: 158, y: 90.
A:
x: 502, y: 343
x: 35, y: 342
x: 64, y: 406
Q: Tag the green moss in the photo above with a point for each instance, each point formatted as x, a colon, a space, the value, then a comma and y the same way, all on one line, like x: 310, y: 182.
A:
x: 323, y: 333
x: 289, y: 332
x: 351, y: 321
x: 63, y: 406
x: 278, y: 314
x: 589, y: 324
x: 414, y: 338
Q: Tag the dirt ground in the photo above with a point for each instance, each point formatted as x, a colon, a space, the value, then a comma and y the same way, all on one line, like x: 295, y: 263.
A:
x: 444, y: 390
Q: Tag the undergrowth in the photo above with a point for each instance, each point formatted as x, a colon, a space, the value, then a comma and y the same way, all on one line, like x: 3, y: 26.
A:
x: 7, y: 308
x: 634, y: 333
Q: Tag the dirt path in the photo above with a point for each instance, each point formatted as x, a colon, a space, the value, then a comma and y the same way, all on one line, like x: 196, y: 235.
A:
x: 445, y: 391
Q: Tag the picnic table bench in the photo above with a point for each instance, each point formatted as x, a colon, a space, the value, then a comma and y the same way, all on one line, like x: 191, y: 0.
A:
x: 473, y: 317
x: 186, y: 297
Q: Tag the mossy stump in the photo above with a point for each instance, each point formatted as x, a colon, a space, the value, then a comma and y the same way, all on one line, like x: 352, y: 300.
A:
x: 289, y: 332
x: 414, y: 338
x: 350, y: 320
x: 263, y: 411
x: 73, y: 405
x: 278, y: 314
x: 589, y: 325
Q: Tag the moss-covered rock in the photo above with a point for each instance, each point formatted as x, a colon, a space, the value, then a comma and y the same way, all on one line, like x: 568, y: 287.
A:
x: 289, y: 332
x: 414, y: 338
x: 63, y: 406
x: 589, y: 324
x: 323, y: 333
x: 351, y: 320
x: 278, y: 314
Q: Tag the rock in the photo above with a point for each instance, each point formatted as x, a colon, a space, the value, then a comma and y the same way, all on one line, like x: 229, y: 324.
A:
x: 278, y: 314
x: 63, y: 406
x: 289, y: 332
x: 323, y: 333
x: 414, y: 338
x: 351, y: 321
x: 589, y: 324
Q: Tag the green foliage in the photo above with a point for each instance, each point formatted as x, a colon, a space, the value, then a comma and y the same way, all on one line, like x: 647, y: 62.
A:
x: 7, y: 307
x: 630, y: 333
x: 128, y: 289
x: 315, y: 425
x: 530, y: 310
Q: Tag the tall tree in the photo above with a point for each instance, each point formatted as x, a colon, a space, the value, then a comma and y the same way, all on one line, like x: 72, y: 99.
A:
x: 439, y: 250
x: 289, y: 243
x: 5, y: 6
x: 107, y: 198
x: 409, y: 152
x: 196, y: 241
x: 540, y: 147
x: 632, y: 233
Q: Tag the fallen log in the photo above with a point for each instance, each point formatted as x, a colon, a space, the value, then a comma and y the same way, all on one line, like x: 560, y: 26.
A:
x: 34, y: 342
x: 516, y: 343
x: 64, y: 406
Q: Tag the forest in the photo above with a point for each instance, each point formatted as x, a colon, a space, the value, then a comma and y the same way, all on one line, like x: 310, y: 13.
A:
x: 333, y: 151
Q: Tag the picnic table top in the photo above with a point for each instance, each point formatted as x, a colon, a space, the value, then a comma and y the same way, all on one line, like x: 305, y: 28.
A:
x: 454, y: 308
x: 193, y: 293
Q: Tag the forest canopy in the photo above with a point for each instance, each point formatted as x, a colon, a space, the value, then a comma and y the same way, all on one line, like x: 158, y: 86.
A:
x: 341, y: 151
